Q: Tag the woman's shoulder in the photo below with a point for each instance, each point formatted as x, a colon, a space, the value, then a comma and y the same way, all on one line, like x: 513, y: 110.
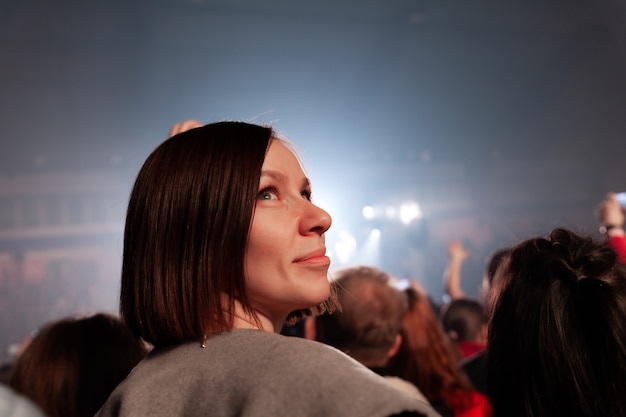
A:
x: 269, y: 373
x: 298, y: 351
x: 352, y: 388
x: 251, y: 351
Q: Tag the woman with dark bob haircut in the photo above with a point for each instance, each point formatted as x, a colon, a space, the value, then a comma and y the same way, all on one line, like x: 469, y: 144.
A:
x: 557, y: 330
x: 222, y: 247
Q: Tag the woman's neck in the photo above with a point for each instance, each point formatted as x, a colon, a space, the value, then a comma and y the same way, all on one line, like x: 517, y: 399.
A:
x: 244, y: 320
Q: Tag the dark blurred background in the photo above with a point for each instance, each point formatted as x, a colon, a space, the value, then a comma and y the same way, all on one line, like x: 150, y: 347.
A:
x: 497, y: 120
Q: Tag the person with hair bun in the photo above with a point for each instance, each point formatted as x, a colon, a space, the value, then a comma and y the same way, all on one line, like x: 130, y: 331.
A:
x: 557, y: 330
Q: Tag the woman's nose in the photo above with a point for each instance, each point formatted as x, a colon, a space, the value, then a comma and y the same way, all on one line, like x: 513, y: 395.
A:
x: 317, y: 220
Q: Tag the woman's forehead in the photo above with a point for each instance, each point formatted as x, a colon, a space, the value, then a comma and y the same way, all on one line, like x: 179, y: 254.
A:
x: 281, y: 157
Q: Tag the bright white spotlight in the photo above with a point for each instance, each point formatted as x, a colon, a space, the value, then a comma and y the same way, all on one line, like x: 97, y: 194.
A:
x: 375, y: 234
x: 368, y: 212
x: 409, y: 212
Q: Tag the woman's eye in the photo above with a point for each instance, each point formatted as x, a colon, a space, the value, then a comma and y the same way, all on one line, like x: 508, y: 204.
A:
x: 306, y: 194
x: 268, y: 194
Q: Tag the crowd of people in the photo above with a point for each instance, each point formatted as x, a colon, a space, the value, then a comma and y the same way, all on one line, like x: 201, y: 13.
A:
x: 224, y: 250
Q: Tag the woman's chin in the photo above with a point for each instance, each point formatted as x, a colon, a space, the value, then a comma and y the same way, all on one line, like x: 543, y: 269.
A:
x: 318, y: 297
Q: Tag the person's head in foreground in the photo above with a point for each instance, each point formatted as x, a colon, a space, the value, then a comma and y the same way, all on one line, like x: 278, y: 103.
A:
x: 222, y: 247
x: 221, y: 233
x: 72, y: 365
x: 557, y: 330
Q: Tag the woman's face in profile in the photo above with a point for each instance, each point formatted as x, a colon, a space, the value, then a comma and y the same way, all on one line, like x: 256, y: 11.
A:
x: 286, y: 262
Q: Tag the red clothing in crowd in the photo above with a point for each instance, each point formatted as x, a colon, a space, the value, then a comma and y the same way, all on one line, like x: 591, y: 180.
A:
x: 468, y: 404
x: 473, y: 404
x: 469, y: 348
x: 618, y: 243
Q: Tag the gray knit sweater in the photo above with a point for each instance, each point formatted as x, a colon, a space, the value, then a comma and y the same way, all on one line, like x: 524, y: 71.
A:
x: 252, y: 373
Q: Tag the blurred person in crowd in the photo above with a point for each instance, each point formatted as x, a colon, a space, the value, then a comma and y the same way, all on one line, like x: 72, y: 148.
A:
x: 222, y: 246
x: 464, y: 321
x: 473, y: 357
x: 557, y: 330
x: 427, y: 358
x: 368, y: 326
x: 71, y: 366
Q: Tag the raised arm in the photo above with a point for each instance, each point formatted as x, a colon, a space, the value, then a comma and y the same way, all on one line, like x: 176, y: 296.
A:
x: 457, y: 254
x: 183, y: 126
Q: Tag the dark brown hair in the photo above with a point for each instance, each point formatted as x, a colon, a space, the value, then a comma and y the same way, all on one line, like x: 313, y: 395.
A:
x: 463, y: 319
x: 186, y: 233
x: 557, y: 330
x: 73, y: 364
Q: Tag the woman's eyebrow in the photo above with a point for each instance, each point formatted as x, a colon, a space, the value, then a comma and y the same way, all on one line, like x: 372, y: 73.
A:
x: 279, y: 176
x: 272, y: 174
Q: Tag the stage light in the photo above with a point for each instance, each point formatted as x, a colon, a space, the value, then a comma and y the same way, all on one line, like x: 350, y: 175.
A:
x: 368, y: 212
x: 409, y: 212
